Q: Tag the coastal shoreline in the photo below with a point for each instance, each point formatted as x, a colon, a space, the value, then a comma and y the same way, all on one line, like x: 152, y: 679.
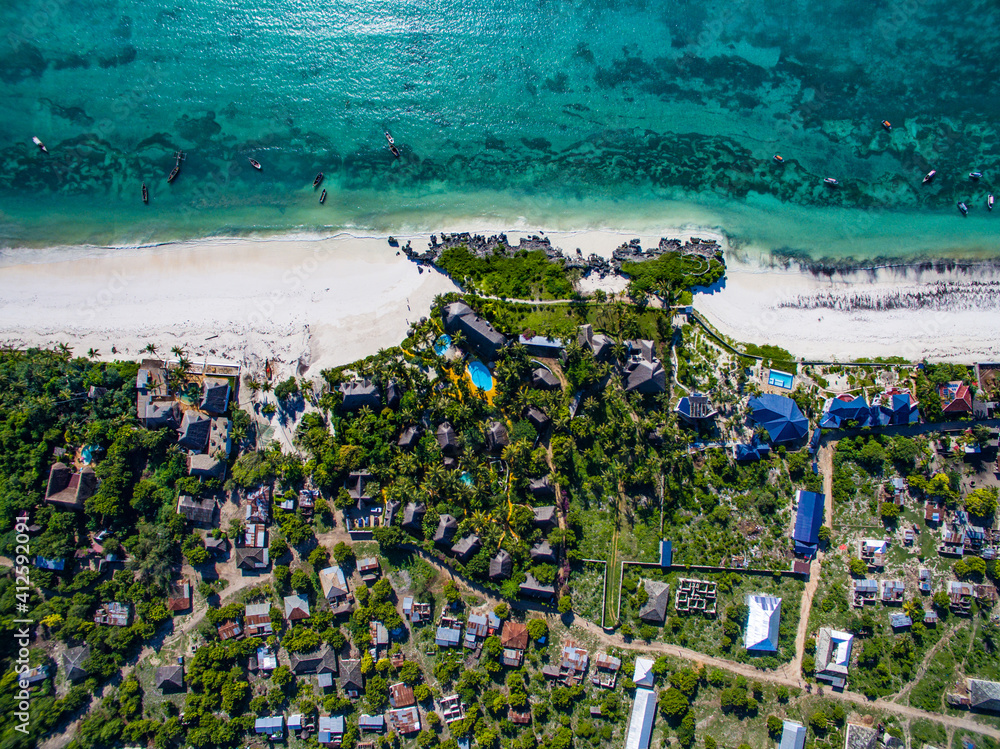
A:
x: 312, y: 302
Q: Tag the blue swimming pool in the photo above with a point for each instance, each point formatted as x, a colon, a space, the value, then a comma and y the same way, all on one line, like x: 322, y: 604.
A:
x: 780, y: 379
x: 480, y: 375
x: 442, y: 344
x: 466, y: 479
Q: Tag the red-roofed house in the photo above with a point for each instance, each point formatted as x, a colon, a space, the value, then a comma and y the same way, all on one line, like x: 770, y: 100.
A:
x: 956, y: 398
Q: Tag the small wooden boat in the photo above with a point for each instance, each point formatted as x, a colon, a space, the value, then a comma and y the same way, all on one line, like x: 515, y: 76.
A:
x: 963, y: 209
x: 37, y: 141
x: 887, y: 125
x: 319, y: 178
x: 322, y: 197
x: 255, y: 164
x: 173, y: 173
x: 145, y: 193
x: 389, y: 138
x: 267, y: 369
x: 930, y: 175
x: 779, y: 159
x: 394, y: 150
x: 975, y: 175
x: 989, y: 201
x: 831, y: 182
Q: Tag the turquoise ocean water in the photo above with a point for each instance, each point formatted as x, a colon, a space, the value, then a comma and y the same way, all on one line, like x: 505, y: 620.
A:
x: 557, y: 114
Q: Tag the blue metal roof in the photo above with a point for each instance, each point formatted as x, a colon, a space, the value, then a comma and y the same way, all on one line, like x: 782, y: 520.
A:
x: 666, y: 552
x: 808, y: 520
x: 780, y: 416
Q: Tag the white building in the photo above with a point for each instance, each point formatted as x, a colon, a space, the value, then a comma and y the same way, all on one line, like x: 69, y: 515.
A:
x: 762, y: 623
x: 643, y: 676
x: 640, y: 725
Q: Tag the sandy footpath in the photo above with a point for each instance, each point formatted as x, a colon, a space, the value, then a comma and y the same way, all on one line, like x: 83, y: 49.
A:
x: 313, y: 302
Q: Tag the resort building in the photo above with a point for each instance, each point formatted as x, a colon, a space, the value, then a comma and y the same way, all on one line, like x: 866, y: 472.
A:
x: 644, y: 373
x: 956, y: 398
x: 360, y: 393
x: 762, y: 623
x: 845, y: 409
x: 446, y: 529
x: 481, y: 337
x: 695, y: 409
x: 598, y: 344
x: 780, y: 416
x: 894, y: 407
x: 543, y: 379
x: 501, y: 566
x: 68, y: 490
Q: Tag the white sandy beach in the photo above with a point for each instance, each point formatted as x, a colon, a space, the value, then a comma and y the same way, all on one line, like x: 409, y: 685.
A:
x: 313, y: 303
x: 962, y: 325
x: 307, y: 303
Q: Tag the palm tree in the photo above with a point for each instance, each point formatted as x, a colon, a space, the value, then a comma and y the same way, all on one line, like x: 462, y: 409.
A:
x: 93, y: 353
x: 150, y: 347
x: 183, y: 363
x: 177, y: 351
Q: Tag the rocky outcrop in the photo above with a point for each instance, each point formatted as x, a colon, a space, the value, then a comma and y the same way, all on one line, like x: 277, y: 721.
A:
x: 499, y: 244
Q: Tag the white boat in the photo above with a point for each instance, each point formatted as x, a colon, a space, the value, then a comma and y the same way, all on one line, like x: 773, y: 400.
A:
x: 389, y: 138
x: 37, y: 141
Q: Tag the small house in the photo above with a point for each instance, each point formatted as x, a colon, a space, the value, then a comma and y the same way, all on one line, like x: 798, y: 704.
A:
x: 352, y: 682
x: 296, y: 608
x: 257, y: 620
x: 170, y: 679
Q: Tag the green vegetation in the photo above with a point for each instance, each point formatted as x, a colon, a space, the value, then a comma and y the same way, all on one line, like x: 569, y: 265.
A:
x: 670, y: 274
x: 522, y: 275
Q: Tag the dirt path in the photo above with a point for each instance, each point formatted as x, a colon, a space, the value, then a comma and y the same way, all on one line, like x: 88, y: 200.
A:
x: 793, y: 670
x: 749, y: 671
x: 924, y: 663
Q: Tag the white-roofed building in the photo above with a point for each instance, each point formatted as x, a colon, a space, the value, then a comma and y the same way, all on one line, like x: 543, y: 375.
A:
x: 833, y: 655
x: 643, y: 676
x: 762, y: 623
x: 640, y: 725
x: 793, y: 735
